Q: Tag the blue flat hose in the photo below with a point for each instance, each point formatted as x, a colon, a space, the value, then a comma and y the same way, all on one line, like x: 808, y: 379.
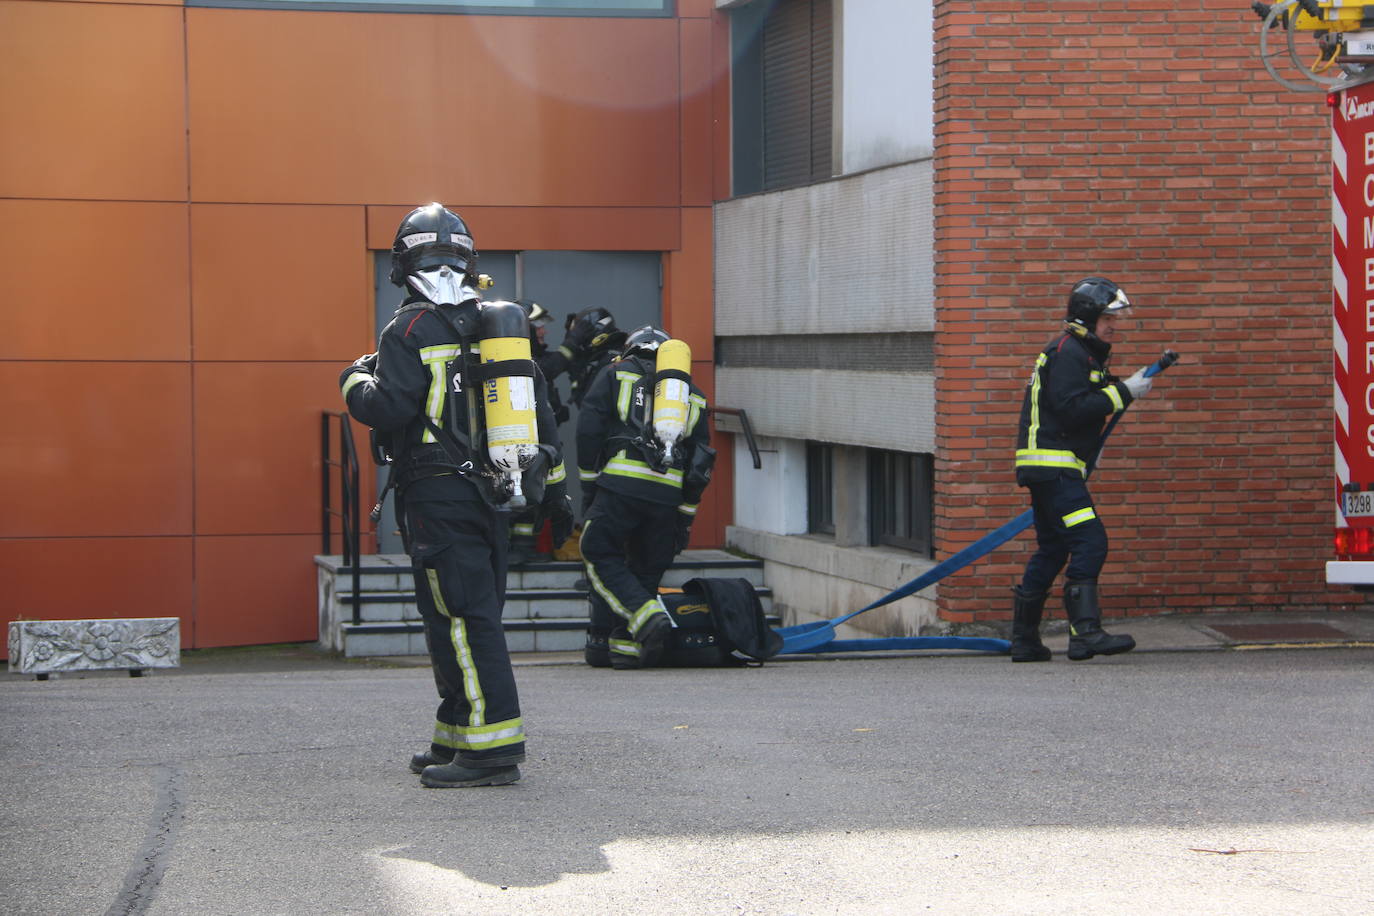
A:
x: 819, y: 635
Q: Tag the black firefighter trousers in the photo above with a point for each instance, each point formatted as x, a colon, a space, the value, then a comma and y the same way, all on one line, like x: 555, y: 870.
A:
x: 458, y: 555
x: 1067, y: 529
x: 627, y: 545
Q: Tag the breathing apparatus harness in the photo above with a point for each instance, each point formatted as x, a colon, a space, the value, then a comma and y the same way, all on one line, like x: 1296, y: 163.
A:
x: 463, y: 453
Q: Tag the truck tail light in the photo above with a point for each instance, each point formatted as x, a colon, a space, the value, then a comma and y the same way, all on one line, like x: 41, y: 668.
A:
x: 1354, y: 543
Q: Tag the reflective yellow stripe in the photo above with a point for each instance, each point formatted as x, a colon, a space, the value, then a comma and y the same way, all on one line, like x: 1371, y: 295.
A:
x: 1048, y: 458
x: 624, y: 647
x: 479, y: 738
x: 1115, y: 396
x: 524, y: 529
x: 435, y: 358
x: 621, y: 466
x: 627, y: 382
x: 688, y: 508
x: 1034, y: 430
x: 558, y: 474
x: 646, y: 610
x: 354, y: 379
x: 1079, y: 517
x: 585, y: 475
x: 694, y: 411
x: 458, y: 635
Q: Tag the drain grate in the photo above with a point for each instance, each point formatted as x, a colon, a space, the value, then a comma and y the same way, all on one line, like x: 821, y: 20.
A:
x: 1278, y: 632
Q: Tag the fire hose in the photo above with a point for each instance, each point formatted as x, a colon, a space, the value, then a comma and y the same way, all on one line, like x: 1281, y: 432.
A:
x: 819, y: 636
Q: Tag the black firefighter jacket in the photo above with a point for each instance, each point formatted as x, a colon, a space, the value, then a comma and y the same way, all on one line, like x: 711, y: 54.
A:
x: 1069, y: 396
x: 411, y: 380
x: 616, y: 411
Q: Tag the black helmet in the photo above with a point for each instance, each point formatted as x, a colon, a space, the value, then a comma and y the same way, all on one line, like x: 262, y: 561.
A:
x: 593, y: 328
x: 645, y: 339
x: 535, y: 312
x: 1092, y: 296
x: 430, y: 239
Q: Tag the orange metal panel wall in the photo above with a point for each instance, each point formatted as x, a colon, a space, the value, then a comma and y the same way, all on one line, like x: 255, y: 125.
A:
x: 309, y: 277
x: 254, y: 590
x: 403, y: 109
x: 257, y: 445
x: 76, y: 578
x: 96, y: 280
x: 188, y: 200
x: 95, y: 449
x: 93, y: 102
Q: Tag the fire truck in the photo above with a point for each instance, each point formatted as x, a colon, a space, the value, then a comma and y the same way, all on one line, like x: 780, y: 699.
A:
x: 1328, y: 46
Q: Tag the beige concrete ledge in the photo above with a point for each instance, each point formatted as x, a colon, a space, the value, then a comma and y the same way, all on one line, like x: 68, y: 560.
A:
x: 812, y: 579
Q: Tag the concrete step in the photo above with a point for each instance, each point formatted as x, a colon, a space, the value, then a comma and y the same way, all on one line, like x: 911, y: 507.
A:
x: 391, y: 572
x: 521, y: 604
x: 545, y: 611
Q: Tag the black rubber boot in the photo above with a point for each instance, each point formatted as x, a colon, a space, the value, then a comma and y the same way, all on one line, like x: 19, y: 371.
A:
x: 597, y: 651
x: 427, y: 758
x: 1027, y: 610
x: 653, y: 639
x: 1086, y: 636
x: 455, y: 775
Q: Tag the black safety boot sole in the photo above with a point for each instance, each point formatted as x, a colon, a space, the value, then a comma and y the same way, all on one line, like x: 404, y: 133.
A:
x: 1082, y: 648
x: 1029, y: 652
x: 419, y: 761
x: 456, y: 776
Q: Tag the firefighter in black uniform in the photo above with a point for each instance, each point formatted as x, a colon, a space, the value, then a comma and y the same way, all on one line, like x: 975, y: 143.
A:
x: 1069, y: 397
x: 525, y: 523
x: 590, y: 341
x: 637, y: 510
x: 415, y: 390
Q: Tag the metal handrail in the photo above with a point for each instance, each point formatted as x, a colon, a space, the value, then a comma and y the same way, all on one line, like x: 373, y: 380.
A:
x: 748, y: 431
x: 350, y: 499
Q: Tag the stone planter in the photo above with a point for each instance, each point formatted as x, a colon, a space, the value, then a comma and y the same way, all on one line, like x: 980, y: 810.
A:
x: 44, y: 647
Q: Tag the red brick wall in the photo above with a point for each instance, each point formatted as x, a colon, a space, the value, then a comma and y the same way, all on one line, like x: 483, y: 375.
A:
x: 1145, y: 143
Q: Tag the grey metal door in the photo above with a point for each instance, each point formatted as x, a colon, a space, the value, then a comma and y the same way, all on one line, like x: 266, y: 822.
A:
x: 627, y: 283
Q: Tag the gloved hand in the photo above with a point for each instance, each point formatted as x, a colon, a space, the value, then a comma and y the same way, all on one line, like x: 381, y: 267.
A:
x: 1138, y: 385
x: 560, y: 519
x: 578, y: 336
x: 362, y: 365
x: 684, y: 533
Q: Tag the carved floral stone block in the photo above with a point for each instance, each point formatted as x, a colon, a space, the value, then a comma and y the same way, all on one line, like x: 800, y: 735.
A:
x: 47, y: 646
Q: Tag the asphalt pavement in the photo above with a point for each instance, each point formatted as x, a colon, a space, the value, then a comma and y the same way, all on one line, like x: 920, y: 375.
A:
x: 273, y: 780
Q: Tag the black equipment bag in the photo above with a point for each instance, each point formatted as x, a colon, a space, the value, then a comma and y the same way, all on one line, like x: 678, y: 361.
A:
x: 720, y: 622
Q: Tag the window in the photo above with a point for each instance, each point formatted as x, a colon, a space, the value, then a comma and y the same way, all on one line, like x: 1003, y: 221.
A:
x: 782, y: 83
x: 900, y: 486
x: 820, y: 488
x: 480, y: 7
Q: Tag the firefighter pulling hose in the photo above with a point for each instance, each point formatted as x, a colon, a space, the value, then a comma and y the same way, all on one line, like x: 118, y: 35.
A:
x: 1069, y: 397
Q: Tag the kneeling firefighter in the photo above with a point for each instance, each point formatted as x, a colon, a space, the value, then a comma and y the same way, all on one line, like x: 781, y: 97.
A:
x: 1069, y: 397
x: 464, y: 415
x: 644, y: 461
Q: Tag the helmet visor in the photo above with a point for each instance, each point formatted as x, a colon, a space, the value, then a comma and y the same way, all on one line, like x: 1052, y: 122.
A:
x: 1119, y: 305
x: 443, y: 285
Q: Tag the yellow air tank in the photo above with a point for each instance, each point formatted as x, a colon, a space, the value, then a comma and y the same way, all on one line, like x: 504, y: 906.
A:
x: 671, y: 394
x: 508, y: 394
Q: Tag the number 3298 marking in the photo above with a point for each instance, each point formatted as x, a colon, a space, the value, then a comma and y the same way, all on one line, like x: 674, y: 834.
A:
x: 1361, y: 503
